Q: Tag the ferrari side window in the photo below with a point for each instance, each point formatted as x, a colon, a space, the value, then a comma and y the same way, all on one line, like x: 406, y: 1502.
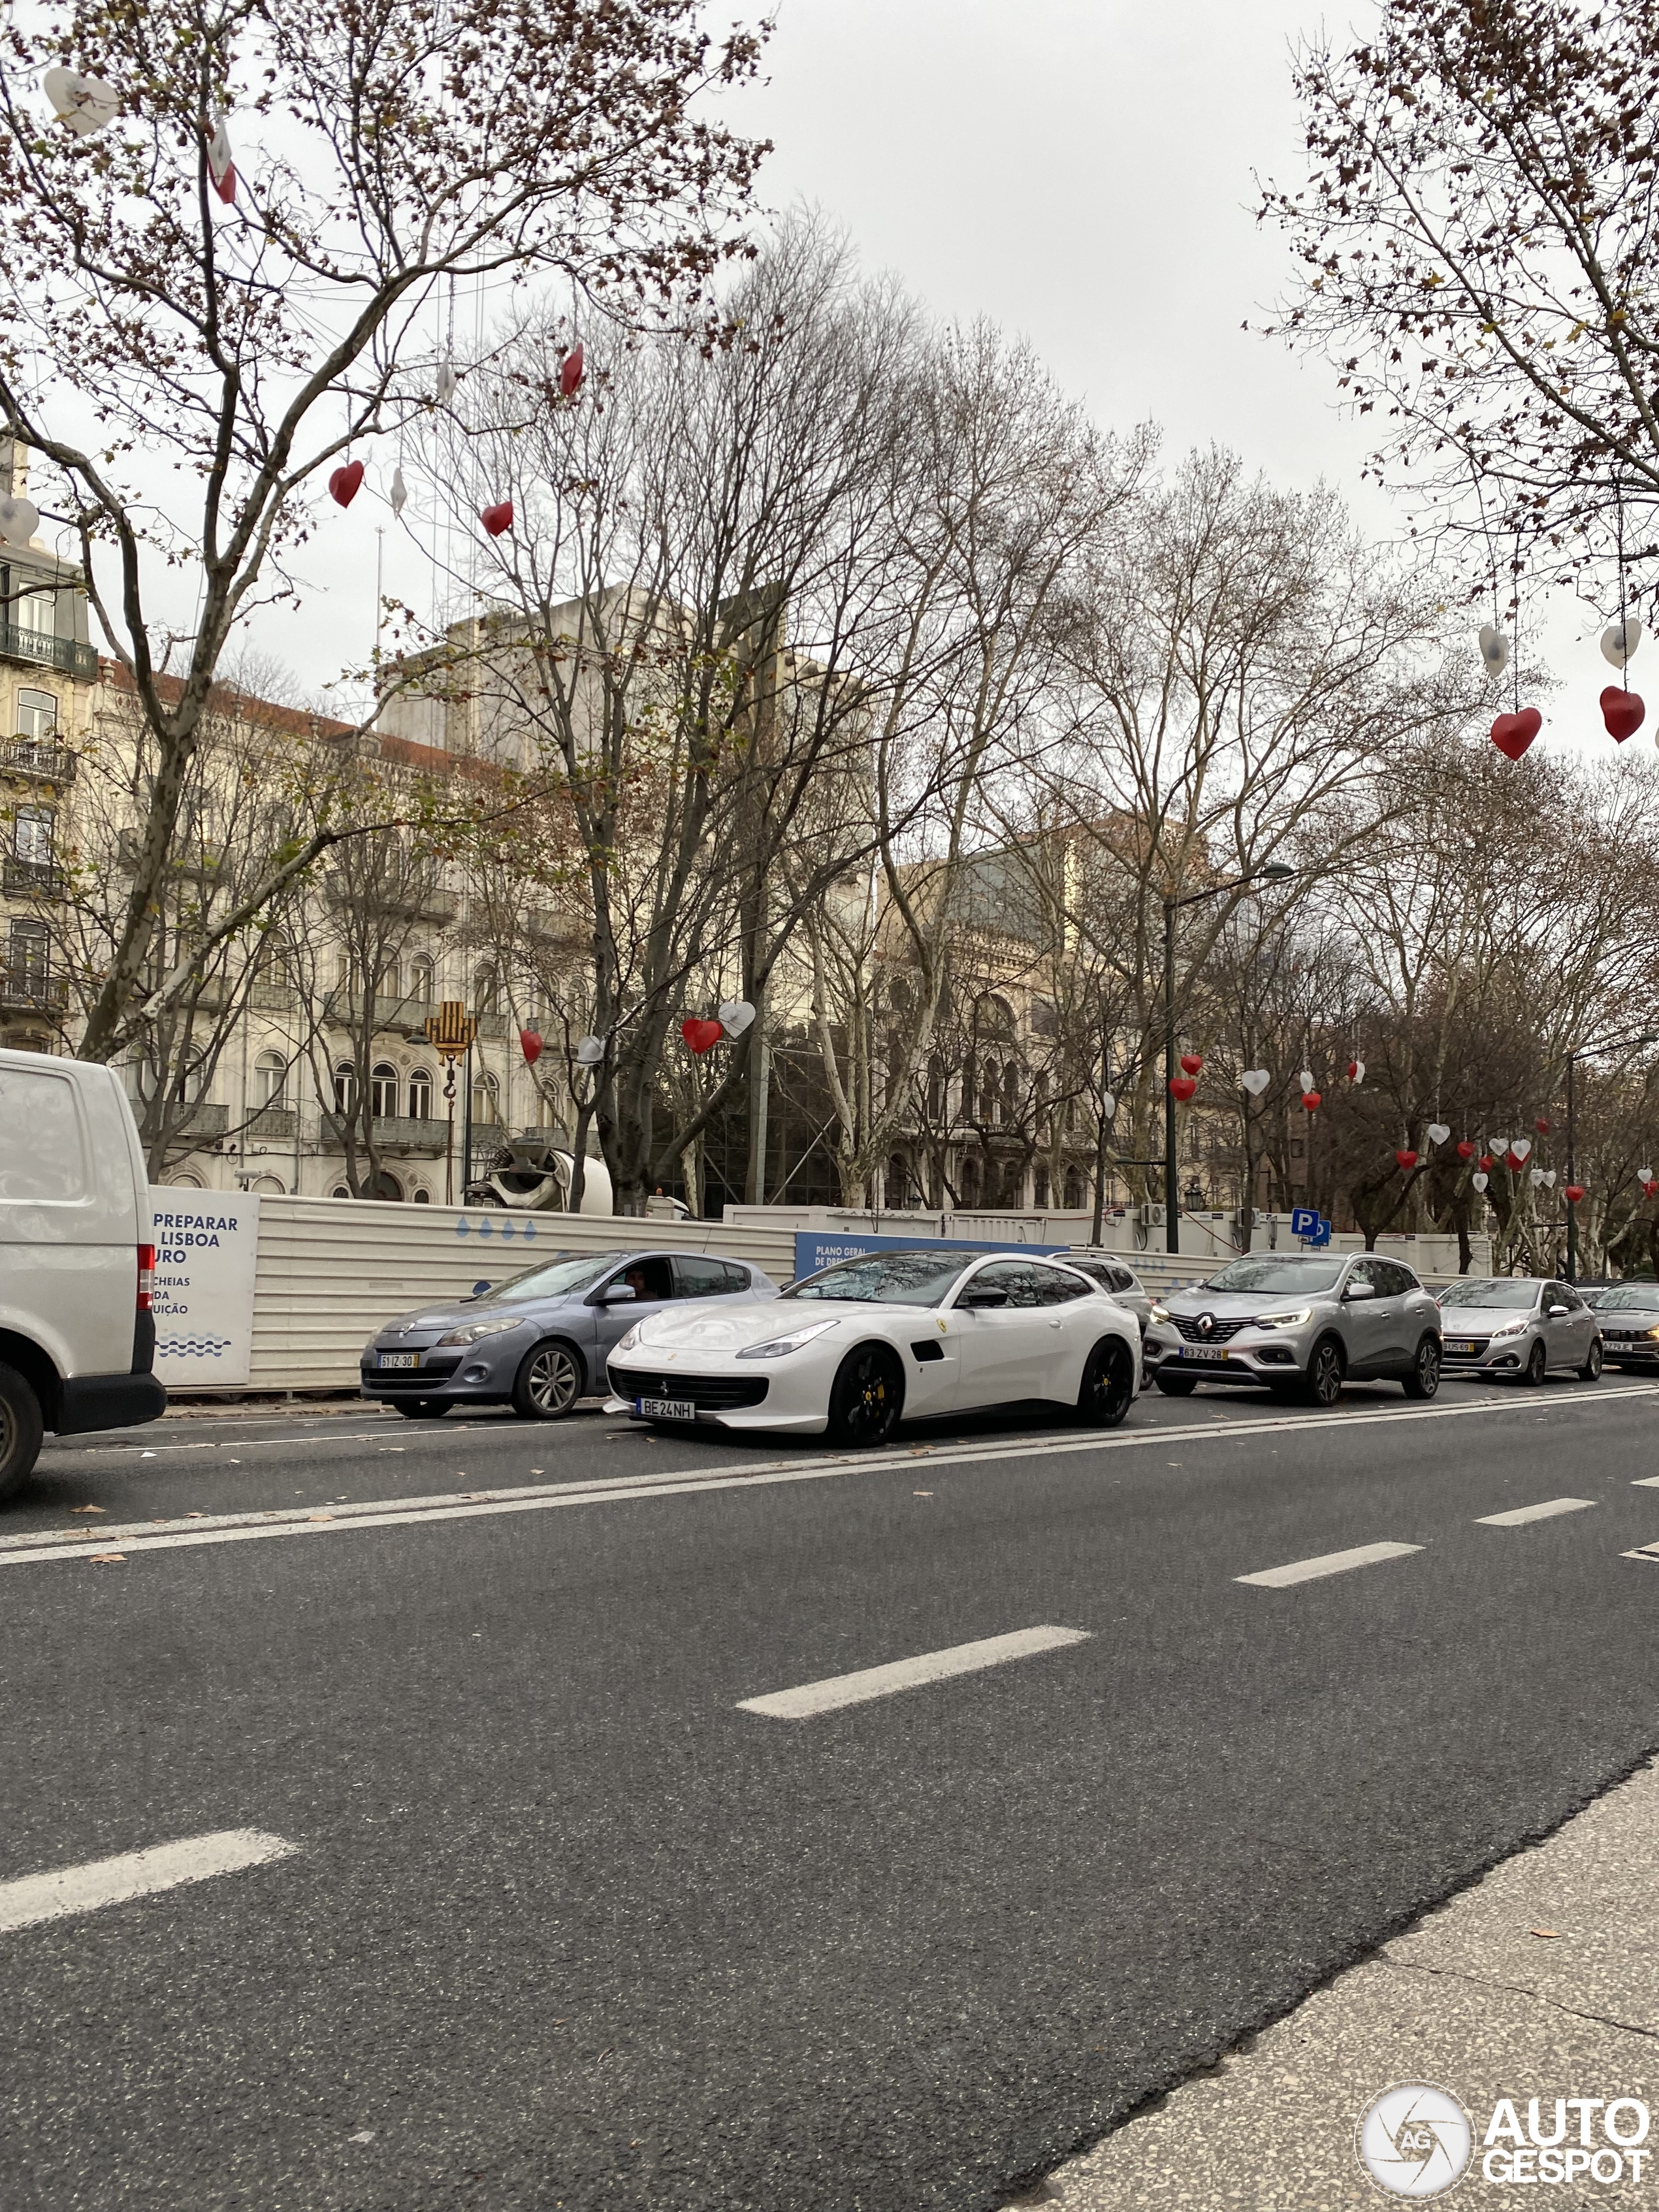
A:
x: 1019, y: 1278
x: 1056, y: 1288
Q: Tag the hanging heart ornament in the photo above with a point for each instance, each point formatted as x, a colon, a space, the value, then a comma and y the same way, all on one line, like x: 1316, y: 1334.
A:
x: 1182, y: 1088
x: 571, y: 372
x: 1312, y: 1101
x: 1479, y: 1181
x: 1107, y: 1104
x: 1465, y: 1149
x: 19, y: 520
x: 222, y: 163
x: 1305, y: 1078
x: 1255, y: 1080
x: 82, y: 104
x: 590, y: 1051
x: 1520, y: 1149
x: 1573, y: 1192
x: 530, y: 1044
x: 1437, y: 1132
x: 1644, y: 1175
x: 1548, y: 1174
x: 1356, y: 1071
x: 1536, y: 1178
x: 1513, y: 733
x: 1542, y: 1125
x: 735, y: 1015
x: 346, y: 481
x: 701, y: 1037
x: 1494, y: 650
x: 1620, y: 641
x: 1191, y: 1062
x: 1623, y: 712
x: 1407, y: 1157
x: 498, y: 518
x: 399, y: 492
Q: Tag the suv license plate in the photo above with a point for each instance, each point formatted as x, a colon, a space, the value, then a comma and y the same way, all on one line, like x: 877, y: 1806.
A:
x: 400, y: 1359
x: 1202, y: 1351
x: 666, y: 1409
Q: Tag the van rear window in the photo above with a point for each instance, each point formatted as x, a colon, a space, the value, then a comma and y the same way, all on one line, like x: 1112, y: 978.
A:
x: 42, y: 1158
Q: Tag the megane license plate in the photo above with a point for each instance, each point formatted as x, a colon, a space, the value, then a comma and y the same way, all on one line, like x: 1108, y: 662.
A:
x: 400, y: 1359
x: 666, y: 1409
x: 1202, y: 1351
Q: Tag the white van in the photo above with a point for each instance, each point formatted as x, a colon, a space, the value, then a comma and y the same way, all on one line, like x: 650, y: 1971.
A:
x: 77, y: 1339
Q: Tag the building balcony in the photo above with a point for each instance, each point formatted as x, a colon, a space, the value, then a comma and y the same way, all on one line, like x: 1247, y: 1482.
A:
x: 28, y: 987
x: 38, y: 760
x: 413, y: 900
x: 271, y: 998
x: 394, y: 1132
x: 271, y: 1124
x: 39, y: 649
x: 200, y: 1122
x: 32, y: 879
x: 190, y: 859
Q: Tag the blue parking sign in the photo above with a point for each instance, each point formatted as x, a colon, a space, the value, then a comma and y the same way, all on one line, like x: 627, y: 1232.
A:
x: 1304, y: 1221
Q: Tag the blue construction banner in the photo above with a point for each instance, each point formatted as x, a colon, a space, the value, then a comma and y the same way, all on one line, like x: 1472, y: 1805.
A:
x: 821, y: 1247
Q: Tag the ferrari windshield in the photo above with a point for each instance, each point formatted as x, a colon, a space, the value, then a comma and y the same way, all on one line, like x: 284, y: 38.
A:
x: 886, y: 1279
x: 1512, y: 1293
x: 1288, y: 1278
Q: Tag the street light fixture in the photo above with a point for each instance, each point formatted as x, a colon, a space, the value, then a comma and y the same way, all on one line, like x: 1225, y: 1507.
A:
x: 1586, y: 1052
x: 1274, y: 872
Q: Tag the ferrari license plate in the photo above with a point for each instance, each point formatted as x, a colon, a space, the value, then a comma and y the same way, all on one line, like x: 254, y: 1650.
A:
x: 400, y: 1359
x: 666, y: 1409
x: 1460, y: 1347
x: 1203, y: 1351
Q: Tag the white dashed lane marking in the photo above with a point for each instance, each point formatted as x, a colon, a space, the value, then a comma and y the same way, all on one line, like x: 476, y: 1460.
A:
x: 1522, y: 1514
x: 838, y: 1689
x: 1330, y: 1563
x: 98, y: 1883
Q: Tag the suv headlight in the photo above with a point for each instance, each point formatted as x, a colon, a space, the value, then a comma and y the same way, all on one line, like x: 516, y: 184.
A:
x: 1160, y: 1313
x: 778, y: 1347
x: 1292, y: 1318
x: 470, y: 1331
x: 1511, y: 1328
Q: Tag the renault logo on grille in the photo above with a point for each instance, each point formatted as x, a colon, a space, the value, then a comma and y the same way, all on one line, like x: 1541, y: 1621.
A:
x: 1205, y: 1323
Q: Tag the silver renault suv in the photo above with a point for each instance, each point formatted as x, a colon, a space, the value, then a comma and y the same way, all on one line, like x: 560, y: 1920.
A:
x: 1301, y: 1324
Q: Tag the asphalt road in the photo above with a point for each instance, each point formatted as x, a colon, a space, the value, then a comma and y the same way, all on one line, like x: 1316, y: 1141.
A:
x: 565, y: 1925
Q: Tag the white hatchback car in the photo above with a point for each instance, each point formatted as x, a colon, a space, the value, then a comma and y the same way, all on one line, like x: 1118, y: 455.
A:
x: 916, y: 1334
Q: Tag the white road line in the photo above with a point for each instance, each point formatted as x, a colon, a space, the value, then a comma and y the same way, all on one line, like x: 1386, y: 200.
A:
x: 86, y: 1888
x: 1646, y: 1482
x: 1522, y: 1514
x: 463, y: 1505
x: 838, y: 1689
x: 1332, y: 1563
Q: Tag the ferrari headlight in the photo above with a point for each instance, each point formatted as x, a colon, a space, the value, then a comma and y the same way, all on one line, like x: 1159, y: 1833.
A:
x: 1294, y: 1319
x: 779, y: 1347
x: 472, y: 1330
x: 1511, y: 1328
x: 627, y: 1343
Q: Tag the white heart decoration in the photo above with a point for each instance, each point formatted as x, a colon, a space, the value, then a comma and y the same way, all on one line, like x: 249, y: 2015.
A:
x: 1359, y: 1071
x: 1479, y: 1181
x: 1548, y: 1174
x: 1494, y: 650
x: 1108, y: 1104
x: 1619, y: 642
x: 734, y: 1016
x: 399, y: 492
x: 590, y: 1052
x: 1256, y: 1079
x: 1305, y: 1078
x: 1537, y: 1178
x: 1644, y: 1175
x: 1498, y: 1145
x: 19, y: 520
x: 1520, y: 1147
x: 1437, y: 1132
x: 82, y: 104
x: 445, y: 384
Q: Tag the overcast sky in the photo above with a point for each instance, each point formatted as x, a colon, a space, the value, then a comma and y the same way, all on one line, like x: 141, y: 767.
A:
x: 1082, y: 172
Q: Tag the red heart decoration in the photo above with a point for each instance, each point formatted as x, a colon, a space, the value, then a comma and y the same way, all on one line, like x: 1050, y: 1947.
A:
x: 1310, y: 1100
x: 1407, y: 1159
x: 1622, y: 711
x: 1191, y: 1062
x: 1573, y: 1192
x: 1542, y: 1125
x: 1516, y: 1161
x: 1466, y: 1150
x: 1486, y: 1162
x: 701, y: 1037
x: 346, y: 481
x: 497, y: 519
x: 570, y: 371
x: 1181, y: 1087
x: 530, y: 1044
x: 1513, y: 733
x: 1649, y: 1188
x: 1353, y: 1070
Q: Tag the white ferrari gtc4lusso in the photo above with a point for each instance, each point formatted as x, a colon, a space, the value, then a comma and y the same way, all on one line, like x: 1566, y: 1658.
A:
x: 890, y: 1336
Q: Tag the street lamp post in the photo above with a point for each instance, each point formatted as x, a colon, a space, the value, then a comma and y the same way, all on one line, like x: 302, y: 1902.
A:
x: 1274, y: 872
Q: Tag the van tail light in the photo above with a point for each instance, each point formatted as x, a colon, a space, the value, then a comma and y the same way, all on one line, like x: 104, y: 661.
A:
x: 146, y: 1276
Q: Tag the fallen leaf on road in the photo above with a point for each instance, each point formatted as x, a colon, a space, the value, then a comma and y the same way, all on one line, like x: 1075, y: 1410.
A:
x: 1554, y: 1934
x: 88, y: 1508
x: 195, y: 1516
x: 107, y: 1559
x: 320, y: 1516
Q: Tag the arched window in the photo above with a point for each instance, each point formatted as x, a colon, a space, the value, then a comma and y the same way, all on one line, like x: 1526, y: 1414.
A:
x: 486, y: 1098
x: 486, y: 992
x: 1040, y: 1190
x: 1073, y: 1189
x: 270, y: 1079
x: 383, y: 1090
x: 969, y: 1181
x: 547, y: 1114
x: 345, y: 1091
x: 421, y: 975
x: 898, y: 1183
x: 420, y: 1095
x: 37, y: 711
x: 421, y: 1197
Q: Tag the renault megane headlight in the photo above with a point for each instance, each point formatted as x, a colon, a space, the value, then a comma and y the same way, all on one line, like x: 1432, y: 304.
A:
x: 778, y: 1347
